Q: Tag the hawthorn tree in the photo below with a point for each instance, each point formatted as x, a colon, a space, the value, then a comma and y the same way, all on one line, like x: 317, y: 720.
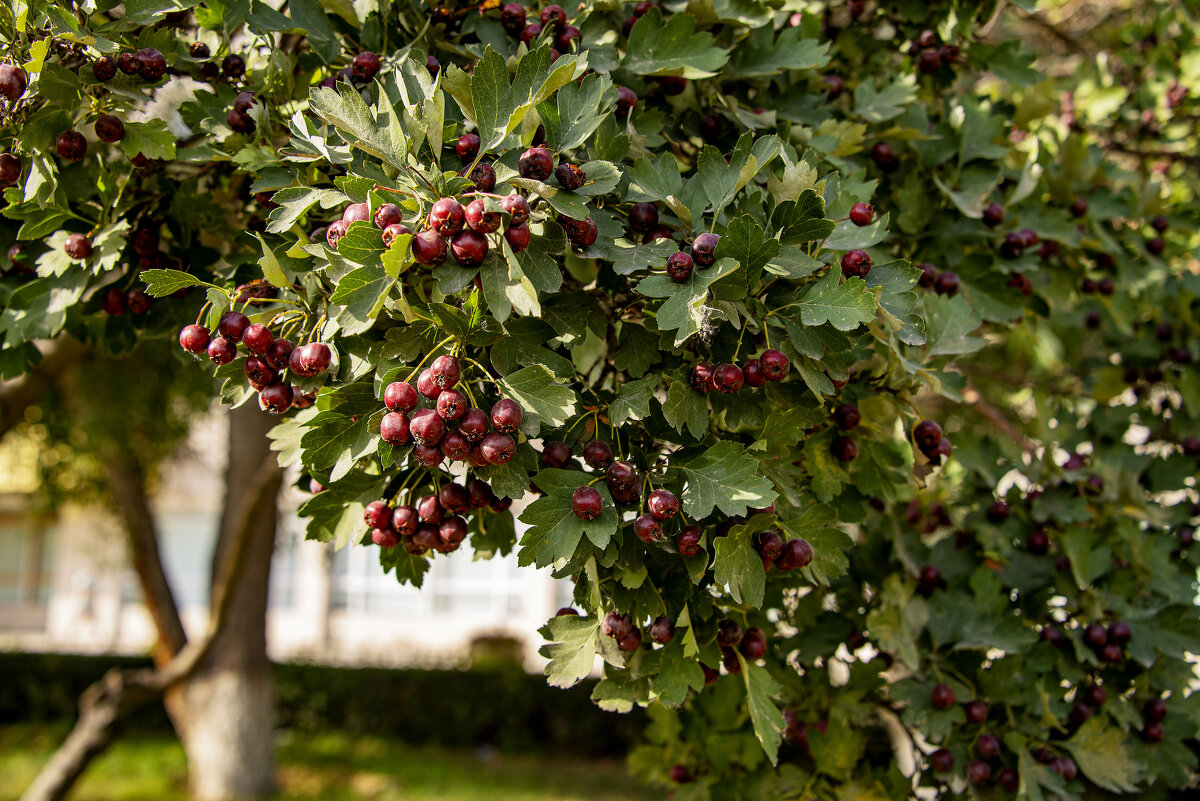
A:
x: 840, y: 358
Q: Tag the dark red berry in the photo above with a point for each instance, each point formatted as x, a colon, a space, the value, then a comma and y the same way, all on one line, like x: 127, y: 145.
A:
x: 10, y: 169
x: 679, y: 266
x: 104, y: 69
x: 364, y: 67
x: 446, y: 217
x: 978, y: 772
x: 498, y: 448
x: 512, y: 18
x: 941, y: 697
x: 774, y: 365
x: 643, y: 216
x: 597, y: 454
x: 586, y: 503
x: 754, y: 644
x: 752, y: 373
x: 109, y: 128
x: 927, y: 433
x: 427, y: 427
x: 662, y: 630
x: 78, y: 247
x: 884, y: 156
x: 569, y: 176
x: 662, y: 504
x: 862, y: 214
x: 233, y: 65
x: 129, y: 63
x: 71, y: 146
x: 277, y: 397
x: 400, y: 397
x: 451, y: 405
x: 154, y: 64
x: 796, y: 554
x: 704, y: 249
x: 469, y: 248
x: 388, y: 214
x: 194, y: 339
x: 976, y: 712
x: 942, y: 760
x: 556, y: 454
x: 845, y: 449
x: 728, y: 378
x: 377, y: 514
x: 627, y: 101
x: 222, y: 351
x: 688, y: 541
x: 536, y: 163
x: 647, y: 528
x: 428, y: 248
x: 856, y: 264
x: 553, y: 16
x: 336, y: 230
x: 846, y: 416
x: 480, y: 218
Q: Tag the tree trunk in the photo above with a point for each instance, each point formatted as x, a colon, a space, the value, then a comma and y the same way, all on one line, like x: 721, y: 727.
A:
x: 228, y: 701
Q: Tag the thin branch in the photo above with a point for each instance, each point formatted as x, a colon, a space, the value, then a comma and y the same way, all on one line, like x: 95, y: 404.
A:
x: 996, y: 418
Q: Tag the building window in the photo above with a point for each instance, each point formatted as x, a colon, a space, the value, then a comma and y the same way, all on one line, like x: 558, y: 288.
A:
x: 26, y: 556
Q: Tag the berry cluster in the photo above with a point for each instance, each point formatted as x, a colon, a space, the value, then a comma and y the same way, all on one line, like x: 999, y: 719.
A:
x: 772, y: 365
x: 267, y: 358
x: 944, y: 283
x: 434, y: 522
x: 449, y: 426
x: 930, y: 54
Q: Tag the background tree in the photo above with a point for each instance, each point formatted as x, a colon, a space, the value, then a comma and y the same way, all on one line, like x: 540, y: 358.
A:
x: 753, y: 299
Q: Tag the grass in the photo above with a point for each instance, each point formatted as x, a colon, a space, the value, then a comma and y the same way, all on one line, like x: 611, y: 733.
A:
x: 329, y: 767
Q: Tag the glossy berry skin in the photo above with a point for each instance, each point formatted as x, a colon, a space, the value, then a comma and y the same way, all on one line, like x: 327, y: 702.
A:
x: 597, y: 454
x: 774, y: 365
x: 688, y: 541
x: 233, y: 325
x: 377, y: 514
x: 194, y: 339
x: 647, y: 528
x: 1095, y: 635
x: 498, y: 448
x: 704, y: 249
x: 536, y: 163
x: 568, y: 36
x: 109, y: 128
x: 277, y: 397
x: 506, y: 416
x: 393, y: 232
x: 987, y: 747
x: 941, y: 697
x: 259, y: 373
x: 393, y: 428
x: 221, y: 351
x: 569, y: 176
x: 480, y: 219
x: 1119, y: 632
x: 978, y: 772
x: 517, y: 208
x: 530, y: 32
x: 768, y: 545
x: 315, y: 357
x: 627, y: 101
x: 993, y: 215
x: 702, y: 378
x: 71, y: 145
x: 400, y: 397
x: 428, y: 248
x: 129, y: 63
x: 796, y: 554
x: 512, y: 18
x: 845, y: 449
x: 427, y: 427
x: 78, y: 247
x: 388, y: 214
x: 662, y: 630
x: 620, y: 475
x: 662, y: 504
x: 616, y: 625
x: 729, y: 633
x: 240, y: 122
x: 233, y: 66
x: 104, y: 69
x: 154, y: 64
x: 405, y: 520
x: 518, y: 237
x: 385, y: 537
x: 451, y: 405
x: 446, y: 217
x: 455, y: 446
x: 846, y: 416
x: 13, y: 82
x: 976, y: 712
x: 679, y: 266
x: 364, y: 67
x: 856, y: 264
x: 556, y: 454
x: 469, y: 248
x: 257, y: 338
x: 427, y: 386
x: 728, y: 378
x: 942, y: 760
x: 752, y: 374
x: 586, y: 503
x: 862, y: 214
x: 336, y: 230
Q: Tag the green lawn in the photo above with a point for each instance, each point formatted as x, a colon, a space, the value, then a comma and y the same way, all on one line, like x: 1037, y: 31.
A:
x: 330, y: 767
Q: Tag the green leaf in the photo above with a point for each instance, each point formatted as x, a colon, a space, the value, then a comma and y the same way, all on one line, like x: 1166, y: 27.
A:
x: 738, y: 567
x: 555, y: 531
x: 848, y: 236
x: 543, y: 400
x: 747, y: 243
x: 571, y: 649
x: 628, y: 258
x: 151, y: 139
x: 345, y: 109
x: 802, y: 220
x: 362, y: 293
x: 760, y: 57
x: 160, y: 283
x: 657, y: 179
x: 950, y: 321
x: 672, y: 48
x: 764, y: 714
x: 818, y: 525
x: 880, y: 105
x: 1102, y: 752
x: 633, y: 401
x: 844, y: 304
x: 982, y: 133
x: 723, y: 180
x: 829, y: 476
x: 294, y: 202
x: 685, y: 407
x: 334, y: 442
x: 577, y: 111
x: 725, y: 477
x: 684, y: 311
x: 496, y: 107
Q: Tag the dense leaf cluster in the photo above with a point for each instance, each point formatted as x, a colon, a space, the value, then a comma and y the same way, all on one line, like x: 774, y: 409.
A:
x: 895, y: 471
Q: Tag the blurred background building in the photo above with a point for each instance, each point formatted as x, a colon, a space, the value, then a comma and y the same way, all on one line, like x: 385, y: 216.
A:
x: 66, y: 584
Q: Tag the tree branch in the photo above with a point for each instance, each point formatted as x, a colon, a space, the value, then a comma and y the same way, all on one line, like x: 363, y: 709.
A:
x: 105, y: 703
